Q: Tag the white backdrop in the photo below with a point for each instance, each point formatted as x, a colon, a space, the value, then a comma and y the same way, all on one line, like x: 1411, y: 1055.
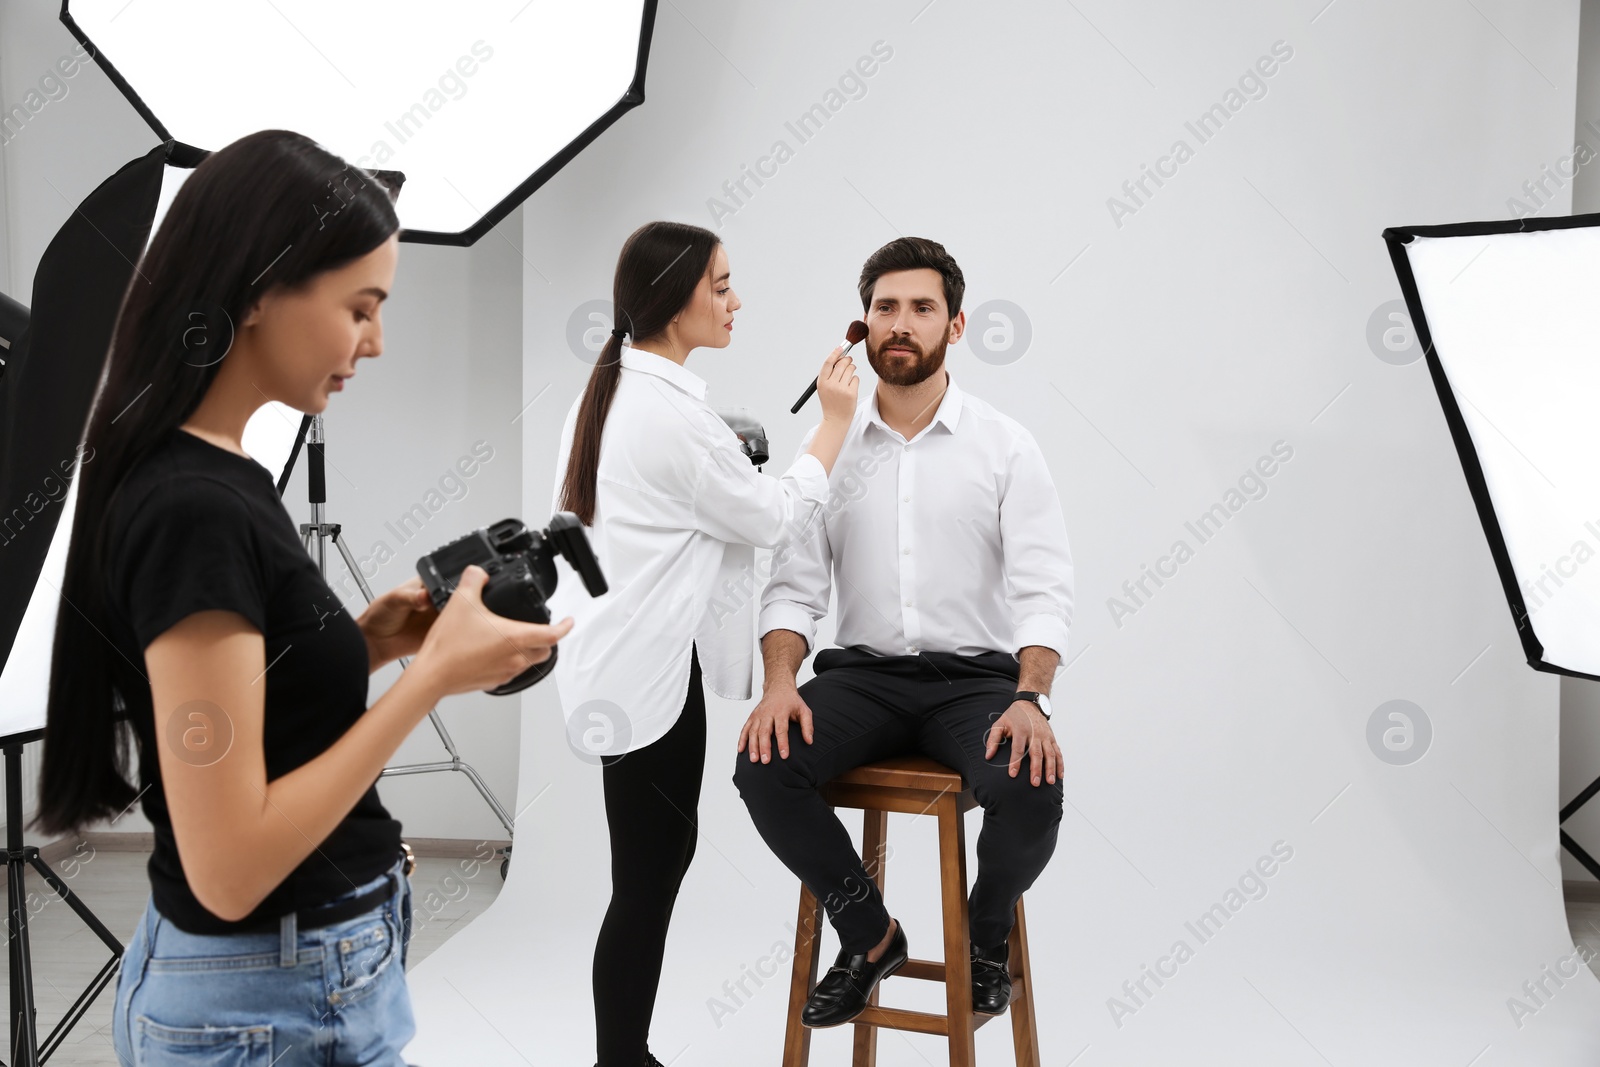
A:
x: 1236, y: 314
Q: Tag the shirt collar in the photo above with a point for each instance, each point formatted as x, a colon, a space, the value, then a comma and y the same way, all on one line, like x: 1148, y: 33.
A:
x: 949, y: 411
x: 662, y: 367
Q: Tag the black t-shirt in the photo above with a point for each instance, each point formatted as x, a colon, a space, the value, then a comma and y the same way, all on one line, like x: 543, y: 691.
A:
x: 197, y: 527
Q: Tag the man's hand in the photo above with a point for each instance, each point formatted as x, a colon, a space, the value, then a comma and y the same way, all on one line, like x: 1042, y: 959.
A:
x: 779, y: 707
x: 1030, y: 733
x: 395, y: 623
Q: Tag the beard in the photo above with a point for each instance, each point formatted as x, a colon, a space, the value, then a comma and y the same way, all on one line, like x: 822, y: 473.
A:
x: 910, y: 368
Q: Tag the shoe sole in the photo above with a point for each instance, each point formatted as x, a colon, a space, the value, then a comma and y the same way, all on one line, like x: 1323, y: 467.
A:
x: 842, y: 1022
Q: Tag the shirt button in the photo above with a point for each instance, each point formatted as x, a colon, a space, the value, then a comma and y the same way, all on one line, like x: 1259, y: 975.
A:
x: 908, y: 603
x: 906, y: 499
x: 911, y: 648
x: 906, y: 448
x: 905, y: 552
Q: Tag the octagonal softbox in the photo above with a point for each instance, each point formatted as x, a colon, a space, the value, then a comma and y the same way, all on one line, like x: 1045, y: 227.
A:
x: 1506, y: 314
x: 476, y: 107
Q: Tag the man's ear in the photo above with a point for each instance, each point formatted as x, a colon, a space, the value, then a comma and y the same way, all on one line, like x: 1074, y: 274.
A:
x: 958, y: 326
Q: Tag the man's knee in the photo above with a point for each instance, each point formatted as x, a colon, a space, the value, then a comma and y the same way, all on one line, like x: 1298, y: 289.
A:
x: 754, y: 779
x: 1041, y: 804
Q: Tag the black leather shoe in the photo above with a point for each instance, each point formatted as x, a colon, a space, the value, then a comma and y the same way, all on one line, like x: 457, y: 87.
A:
x: 842, y: 994
x: 991, y: 979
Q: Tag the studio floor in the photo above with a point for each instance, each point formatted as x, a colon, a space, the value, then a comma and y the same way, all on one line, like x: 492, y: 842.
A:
x: 66, y: 955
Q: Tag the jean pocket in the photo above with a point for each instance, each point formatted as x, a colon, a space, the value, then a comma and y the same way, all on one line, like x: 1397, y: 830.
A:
x: 364, y: 953
x: 201, y: 1046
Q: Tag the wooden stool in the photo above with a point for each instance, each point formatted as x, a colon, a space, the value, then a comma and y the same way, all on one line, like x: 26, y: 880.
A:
x: 915, y: 785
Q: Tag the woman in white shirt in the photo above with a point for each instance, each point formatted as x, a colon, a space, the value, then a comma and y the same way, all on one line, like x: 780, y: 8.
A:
x: 675, y: 509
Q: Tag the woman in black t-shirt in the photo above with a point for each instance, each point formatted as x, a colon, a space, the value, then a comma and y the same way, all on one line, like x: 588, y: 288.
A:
x: 279, y: 910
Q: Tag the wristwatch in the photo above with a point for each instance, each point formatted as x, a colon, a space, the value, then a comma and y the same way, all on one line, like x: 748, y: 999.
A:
x: 1037, y: 698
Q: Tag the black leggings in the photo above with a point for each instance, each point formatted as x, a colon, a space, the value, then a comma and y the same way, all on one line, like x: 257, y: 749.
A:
x: 652, y: 796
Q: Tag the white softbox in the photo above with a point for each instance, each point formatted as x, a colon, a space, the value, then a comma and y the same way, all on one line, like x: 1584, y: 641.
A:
x: 477, y: 105
x: 1506, y: 313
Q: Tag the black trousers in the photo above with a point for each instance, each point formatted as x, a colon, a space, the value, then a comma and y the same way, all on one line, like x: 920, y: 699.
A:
x: 866, y: 707
x: 652, y: 795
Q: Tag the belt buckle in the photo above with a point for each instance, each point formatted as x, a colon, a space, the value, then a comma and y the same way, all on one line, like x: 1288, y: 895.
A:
x: 411, y: 859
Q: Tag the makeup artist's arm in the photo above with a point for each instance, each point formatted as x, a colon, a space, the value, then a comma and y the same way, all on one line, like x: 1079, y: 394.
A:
x: 836, y: 386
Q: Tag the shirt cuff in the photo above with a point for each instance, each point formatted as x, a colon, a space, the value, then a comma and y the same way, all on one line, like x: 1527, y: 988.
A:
x: 787, y: 615
x: 1047, y: 630
x: 812, y: 477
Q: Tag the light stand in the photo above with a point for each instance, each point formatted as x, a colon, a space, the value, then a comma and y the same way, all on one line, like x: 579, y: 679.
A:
x: 25, y: 1049
x: 315, y: 534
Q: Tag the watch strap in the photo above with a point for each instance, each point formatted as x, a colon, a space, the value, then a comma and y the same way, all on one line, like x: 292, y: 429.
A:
x: 1032, y: 697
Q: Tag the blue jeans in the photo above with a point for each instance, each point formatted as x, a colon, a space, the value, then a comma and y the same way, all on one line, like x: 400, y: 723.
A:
x: 330, y: 996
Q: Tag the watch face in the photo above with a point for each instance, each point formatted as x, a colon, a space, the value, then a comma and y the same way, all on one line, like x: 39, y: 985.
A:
x: 1044, y: 705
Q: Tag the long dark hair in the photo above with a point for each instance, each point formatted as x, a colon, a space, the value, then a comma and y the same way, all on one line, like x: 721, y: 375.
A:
x: 273, y: 208
x: 658, y: 269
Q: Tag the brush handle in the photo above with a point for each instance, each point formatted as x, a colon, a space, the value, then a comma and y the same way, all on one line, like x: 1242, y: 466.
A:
x: 798, y: 404
x: 812, y: 388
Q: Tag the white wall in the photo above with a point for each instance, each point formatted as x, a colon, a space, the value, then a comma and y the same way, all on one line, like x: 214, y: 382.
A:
x: 448, y: 378
x: 1231, y: 710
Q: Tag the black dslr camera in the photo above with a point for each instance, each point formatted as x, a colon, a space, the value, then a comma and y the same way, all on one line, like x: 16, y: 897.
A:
x: 522, y: 574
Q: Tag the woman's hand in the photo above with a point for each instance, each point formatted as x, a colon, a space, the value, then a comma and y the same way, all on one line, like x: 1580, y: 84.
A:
x: 396, y: 623
x: 472, y: 648
x: 836, y: 386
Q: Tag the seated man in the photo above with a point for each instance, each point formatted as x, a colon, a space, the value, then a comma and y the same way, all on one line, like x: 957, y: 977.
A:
x: 955, y: 595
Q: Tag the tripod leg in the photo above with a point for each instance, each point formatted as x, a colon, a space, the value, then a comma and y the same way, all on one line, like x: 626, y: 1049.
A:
x: 24, y: 1039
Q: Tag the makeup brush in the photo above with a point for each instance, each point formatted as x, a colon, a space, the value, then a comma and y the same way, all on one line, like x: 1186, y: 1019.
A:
x: 852, y: 337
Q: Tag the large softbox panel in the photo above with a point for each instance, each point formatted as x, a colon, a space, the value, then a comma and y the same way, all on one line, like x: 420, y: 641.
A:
x: 1507, y: 314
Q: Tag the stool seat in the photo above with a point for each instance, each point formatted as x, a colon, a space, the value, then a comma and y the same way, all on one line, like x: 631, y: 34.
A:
x: 903, y: 772
x: 916, y: 785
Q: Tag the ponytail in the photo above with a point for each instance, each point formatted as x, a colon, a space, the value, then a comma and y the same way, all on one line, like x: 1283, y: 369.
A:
x: 660, y: 266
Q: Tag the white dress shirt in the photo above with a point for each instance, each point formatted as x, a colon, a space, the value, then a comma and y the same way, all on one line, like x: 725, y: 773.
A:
x: 679, y: 509
x: 952, y: 541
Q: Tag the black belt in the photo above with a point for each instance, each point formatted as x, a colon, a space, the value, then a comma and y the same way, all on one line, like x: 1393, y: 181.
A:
x: 320, y: 915
x: 340, y: 910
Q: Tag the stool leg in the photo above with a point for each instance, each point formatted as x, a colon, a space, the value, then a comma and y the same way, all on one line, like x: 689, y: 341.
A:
x: 874, y: 831
x: 1024, y: 1022
x: 803, y: 978
x: 957, y: 945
